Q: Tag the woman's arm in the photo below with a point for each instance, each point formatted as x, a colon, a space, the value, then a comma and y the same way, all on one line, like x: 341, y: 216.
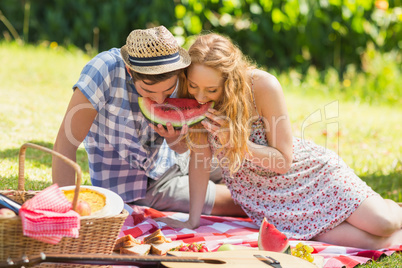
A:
x: 271, y: 105
x: 199, y: 169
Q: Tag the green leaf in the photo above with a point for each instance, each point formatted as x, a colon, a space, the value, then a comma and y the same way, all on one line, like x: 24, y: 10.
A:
x: 180, y: 11
x: 196, y: 25
x: 336, y: 2
x: 277, y: 16
x: 255, y: 8
x: 198, y: 7
x: 212, y: 18
x: 266, y: 5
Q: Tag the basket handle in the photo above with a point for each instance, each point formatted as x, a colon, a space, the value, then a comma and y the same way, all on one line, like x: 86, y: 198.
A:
x: 21, y: 171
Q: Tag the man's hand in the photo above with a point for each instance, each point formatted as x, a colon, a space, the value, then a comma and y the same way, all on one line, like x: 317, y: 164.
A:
x: 169, y: 133
x: 173, y: 137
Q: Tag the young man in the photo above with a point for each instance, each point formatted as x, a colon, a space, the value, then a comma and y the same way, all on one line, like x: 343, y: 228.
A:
x: 144, y: 164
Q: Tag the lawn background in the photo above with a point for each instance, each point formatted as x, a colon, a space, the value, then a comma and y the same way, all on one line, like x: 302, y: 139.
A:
x: 35, y: 88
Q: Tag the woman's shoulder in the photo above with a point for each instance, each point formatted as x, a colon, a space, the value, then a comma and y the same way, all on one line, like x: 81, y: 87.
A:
x: 264, y: 83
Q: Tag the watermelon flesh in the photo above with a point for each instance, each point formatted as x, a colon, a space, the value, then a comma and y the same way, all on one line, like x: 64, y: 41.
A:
x: 271, y: 239
x: 178, y: 112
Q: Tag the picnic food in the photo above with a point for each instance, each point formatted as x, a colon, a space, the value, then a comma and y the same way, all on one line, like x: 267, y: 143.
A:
x: 126, y: 242
x: 176, y: 111
x: 226, y: 247
x: 156, y: 237
x: 83, y: 208
x: 271, y: 239
x: 95, y: 199
x: 140, y: 250
x: 162, y: 249
x: 193, y: 247
x: 156, y: 243
x: 6, y: 213
x: 303, y: 251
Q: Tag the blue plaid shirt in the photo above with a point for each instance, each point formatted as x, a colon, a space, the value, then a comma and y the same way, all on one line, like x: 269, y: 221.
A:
x: 123, y: 151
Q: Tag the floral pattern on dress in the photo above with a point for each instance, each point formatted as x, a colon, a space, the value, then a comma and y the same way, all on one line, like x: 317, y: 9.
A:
x: 318, y: 192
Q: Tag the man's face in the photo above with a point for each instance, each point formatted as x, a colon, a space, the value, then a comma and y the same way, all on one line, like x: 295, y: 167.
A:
x: 156, y: 92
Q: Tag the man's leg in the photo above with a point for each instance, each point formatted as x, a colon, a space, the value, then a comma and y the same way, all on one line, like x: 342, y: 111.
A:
x: 171, y: 193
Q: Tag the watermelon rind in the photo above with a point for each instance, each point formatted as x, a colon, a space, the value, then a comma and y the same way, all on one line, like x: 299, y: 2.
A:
x: 287, y: 250
x: 178, y: 124
x: 268, y: 232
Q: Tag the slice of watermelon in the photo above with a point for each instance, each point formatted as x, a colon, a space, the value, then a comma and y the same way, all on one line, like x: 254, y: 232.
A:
x: 271, y: 239
x: 176, y: 111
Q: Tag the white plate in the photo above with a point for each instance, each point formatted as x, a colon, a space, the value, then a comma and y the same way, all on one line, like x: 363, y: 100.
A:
x: 114, y: 203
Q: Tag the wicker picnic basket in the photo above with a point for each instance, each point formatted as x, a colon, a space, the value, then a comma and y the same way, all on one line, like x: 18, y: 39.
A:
x: 96, y: 235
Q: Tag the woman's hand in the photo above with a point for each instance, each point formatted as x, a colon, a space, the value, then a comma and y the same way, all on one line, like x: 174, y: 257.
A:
x: 176, y: 224
x: 216, y: 125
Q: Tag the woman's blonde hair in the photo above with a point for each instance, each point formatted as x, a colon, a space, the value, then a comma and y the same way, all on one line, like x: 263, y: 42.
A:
x: 219, y: 53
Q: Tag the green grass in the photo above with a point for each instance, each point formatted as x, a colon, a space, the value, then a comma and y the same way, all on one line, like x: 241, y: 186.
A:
x: 36, y: 87
x: 393, y: 261
x: 366, y: 137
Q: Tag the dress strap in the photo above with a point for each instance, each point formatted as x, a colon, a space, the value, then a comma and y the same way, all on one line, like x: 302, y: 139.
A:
x: 252, y: 90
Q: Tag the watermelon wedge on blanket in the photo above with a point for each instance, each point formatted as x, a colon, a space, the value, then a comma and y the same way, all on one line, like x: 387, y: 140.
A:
x: 176, y: 111
x: 271, y: 239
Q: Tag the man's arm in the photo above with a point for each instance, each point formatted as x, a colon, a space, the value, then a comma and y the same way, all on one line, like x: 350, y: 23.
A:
x: 75, y: 126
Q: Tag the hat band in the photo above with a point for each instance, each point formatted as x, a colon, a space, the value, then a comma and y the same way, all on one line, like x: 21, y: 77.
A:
x: 154, y: 61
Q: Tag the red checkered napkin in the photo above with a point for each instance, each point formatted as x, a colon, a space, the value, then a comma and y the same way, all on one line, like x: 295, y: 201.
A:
x: 48, y: 216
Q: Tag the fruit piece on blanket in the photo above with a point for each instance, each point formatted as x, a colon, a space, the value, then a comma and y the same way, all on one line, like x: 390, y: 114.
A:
x: 126, y: 242
x: 156, y: 237
x: 139, y: 250
x: 271, y: 239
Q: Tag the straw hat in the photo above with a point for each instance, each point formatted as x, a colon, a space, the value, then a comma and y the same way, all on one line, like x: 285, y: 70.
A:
x: 154, y: 51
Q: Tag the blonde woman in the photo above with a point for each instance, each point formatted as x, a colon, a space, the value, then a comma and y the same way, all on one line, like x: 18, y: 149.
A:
x: 306, y: 192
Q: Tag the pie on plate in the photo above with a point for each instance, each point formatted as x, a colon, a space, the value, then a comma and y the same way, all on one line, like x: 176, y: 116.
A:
x: 103, y: 202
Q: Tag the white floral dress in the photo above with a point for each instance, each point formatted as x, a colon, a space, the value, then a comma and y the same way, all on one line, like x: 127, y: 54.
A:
x: 318, y: 192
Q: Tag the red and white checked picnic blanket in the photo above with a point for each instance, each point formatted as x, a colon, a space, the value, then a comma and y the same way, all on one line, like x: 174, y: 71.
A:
x: 215, y: 231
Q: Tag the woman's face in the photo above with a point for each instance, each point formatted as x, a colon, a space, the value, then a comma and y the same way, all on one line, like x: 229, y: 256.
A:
x: 204, y: 83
